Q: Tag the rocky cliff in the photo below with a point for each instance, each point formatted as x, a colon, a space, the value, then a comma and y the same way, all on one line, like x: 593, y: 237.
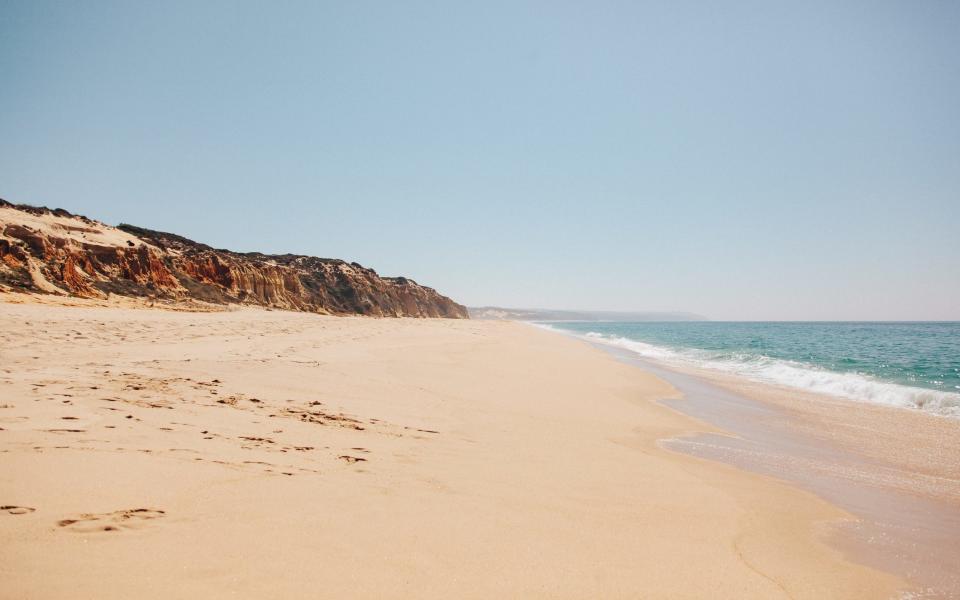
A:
x: 55, y: 252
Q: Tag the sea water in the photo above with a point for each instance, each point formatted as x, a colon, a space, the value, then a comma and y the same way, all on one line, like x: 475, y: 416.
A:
x: 911, y: 365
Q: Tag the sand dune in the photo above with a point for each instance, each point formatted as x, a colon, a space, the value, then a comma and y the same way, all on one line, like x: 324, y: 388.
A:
x: 258, y: 454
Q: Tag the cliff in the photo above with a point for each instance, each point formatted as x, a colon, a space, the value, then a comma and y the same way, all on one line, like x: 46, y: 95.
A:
x: 55, y: 252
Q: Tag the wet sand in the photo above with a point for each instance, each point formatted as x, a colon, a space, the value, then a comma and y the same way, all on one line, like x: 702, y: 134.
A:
x: 897, y: 470
x: 253, y: 454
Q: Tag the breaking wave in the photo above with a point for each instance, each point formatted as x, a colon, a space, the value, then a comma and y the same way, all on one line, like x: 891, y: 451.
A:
x: 795, y: 374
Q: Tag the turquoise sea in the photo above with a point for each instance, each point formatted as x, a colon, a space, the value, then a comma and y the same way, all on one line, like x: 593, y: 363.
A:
x: 911, y: 365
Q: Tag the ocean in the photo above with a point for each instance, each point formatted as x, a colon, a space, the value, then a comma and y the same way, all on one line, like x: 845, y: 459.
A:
x: 910, y: 365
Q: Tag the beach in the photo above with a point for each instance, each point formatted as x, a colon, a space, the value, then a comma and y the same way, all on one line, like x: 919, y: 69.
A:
x: 255, y: 453
x: 638, y: 300
x: 896, y: 470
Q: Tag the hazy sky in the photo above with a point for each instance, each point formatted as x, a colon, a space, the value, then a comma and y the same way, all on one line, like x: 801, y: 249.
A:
x: 742, y: 160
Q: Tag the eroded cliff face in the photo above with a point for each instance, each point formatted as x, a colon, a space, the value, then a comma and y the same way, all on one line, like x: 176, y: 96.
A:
x: 55, y: 252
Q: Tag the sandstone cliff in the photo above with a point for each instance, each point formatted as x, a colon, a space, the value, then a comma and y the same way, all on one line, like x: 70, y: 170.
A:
x: 55, y: 252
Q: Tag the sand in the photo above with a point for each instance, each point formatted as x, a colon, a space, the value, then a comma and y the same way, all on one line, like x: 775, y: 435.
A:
x: 897, y: 470
x: 267, y: 454
x: 87, y: 232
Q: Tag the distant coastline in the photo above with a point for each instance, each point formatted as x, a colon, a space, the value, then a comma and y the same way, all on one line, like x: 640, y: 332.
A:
x: 546, y: 314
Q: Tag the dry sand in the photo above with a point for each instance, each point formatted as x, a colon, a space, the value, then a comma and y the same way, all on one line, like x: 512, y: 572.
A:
x: 259, y: 454
x: 71, y: 228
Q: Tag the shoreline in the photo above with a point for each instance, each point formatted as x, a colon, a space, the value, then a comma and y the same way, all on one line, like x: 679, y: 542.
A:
x: 905, y: 492
x: 252, y: 453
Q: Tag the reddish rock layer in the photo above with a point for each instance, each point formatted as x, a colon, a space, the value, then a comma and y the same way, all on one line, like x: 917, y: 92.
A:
x: 52, y: 251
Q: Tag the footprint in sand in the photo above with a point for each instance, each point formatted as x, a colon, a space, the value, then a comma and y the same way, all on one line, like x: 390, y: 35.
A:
x: 16, y: 510
x: 118, y: 520
x: 351, y: 459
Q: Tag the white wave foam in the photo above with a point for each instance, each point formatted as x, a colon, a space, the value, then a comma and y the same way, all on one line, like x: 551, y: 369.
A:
x: 851, y: 386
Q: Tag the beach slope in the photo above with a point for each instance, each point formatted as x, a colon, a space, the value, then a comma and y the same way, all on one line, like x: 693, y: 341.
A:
x: 269, y: 454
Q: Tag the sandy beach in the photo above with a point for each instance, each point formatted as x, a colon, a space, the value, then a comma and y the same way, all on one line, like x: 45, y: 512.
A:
x: 269, y: 454
x: 897, y: 470
x: 526, y: 300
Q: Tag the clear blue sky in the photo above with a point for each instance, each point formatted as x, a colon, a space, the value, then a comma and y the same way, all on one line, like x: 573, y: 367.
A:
x: 743, y: 160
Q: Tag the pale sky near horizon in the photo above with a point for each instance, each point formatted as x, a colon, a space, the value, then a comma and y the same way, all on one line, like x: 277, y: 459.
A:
x: 740, y: 160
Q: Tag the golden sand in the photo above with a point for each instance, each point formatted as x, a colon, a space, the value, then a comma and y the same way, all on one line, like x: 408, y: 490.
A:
x: 259, y: 454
